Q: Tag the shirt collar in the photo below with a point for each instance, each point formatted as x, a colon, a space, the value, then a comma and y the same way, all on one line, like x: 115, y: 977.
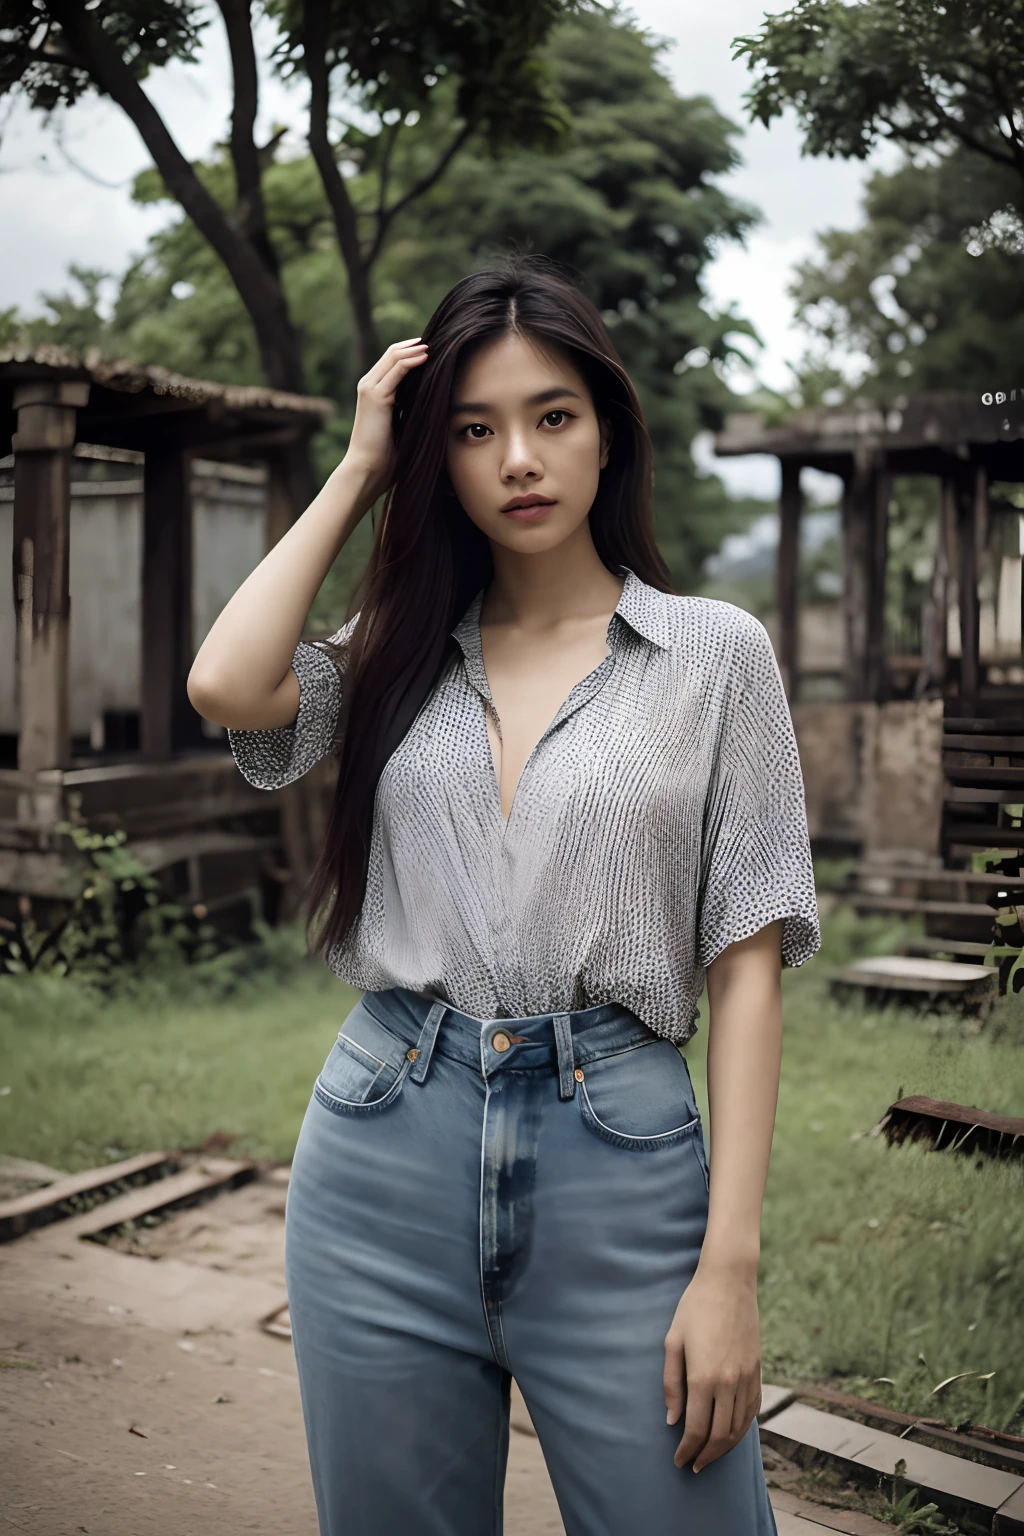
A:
x: 644, y: 608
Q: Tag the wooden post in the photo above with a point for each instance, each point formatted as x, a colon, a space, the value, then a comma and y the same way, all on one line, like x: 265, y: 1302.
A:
x: 787, y: 576
x: 46, y: 416
x: 280, y: 512
x: 972, y: 514
x: 168, y: 719
x: 865, y: 529
x: 879, y: 495
x: 934, y: 659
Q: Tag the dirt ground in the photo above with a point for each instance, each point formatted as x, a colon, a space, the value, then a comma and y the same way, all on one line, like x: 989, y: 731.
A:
x: 140, y: 1397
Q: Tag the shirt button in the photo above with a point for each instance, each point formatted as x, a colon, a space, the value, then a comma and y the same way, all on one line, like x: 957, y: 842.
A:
x: 501, y: 1041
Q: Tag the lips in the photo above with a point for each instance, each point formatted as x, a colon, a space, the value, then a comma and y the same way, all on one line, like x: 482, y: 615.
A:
x: 528, y: 509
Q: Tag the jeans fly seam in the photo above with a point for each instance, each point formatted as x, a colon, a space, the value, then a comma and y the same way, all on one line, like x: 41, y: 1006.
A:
x: 483, y: 1223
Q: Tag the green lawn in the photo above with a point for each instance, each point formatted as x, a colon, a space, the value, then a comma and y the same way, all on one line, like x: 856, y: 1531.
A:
x: 877, y: 1261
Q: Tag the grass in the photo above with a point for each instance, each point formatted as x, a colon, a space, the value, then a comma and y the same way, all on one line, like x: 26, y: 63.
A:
x: 884, y: 1270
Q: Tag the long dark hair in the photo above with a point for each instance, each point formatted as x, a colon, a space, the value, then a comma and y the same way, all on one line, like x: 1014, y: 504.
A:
x: 429, y: 560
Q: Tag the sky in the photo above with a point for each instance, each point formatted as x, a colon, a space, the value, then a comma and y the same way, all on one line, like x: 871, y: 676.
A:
x: 66, y: 192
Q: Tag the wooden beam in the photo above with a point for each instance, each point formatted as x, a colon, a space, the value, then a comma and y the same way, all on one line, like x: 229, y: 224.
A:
x: 787, y: 576
x: 168, y: 719
x: 46, y: 417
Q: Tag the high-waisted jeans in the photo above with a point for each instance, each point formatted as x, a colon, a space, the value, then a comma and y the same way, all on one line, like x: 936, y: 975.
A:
x: 472, y: 1200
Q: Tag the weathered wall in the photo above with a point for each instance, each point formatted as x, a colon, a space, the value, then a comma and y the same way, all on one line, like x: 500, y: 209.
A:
x: 106, y: 527
x: 873, y: 774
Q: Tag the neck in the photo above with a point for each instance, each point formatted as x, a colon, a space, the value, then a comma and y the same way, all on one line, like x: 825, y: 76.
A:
x: 567, y: 582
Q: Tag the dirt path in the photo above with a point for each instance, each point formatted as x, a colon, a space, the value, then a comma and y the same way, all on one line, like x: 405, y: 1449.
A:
x: 139, y: 1397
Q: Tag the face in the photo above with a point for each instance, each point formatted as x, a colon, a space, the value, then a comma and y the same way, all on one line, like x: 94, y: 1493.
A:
x: 523, y: 428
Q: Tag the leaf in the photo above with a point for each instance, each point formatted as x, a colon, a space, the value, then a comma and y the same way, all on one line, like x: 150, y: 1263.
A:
x: 960, y: 1376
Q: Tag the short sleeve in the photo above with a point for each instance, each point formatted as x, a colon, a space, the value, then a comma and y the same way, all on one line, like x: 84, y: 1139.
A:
x: 755, y: 852
x: 279, y: 755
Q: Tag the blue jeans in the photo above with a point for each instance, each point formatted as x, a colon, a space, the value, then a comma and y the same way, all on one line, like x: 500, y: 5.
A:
x: 472, y: 1200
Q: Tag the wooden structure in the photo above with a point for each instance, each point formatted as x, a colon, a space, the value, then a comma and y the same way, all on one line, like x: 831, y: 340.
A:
x: 179, y: 798
x: 965, y: 443
x: 915, y: 785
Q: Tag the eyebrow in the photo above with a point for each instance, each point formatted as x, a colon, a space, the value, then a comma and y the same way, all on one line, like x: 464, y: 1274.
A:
x: 483, y: 408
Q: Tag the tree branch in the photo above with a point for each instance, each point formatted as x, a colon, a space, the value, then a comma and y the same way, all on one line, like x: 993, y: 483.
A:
x: 385, y: 168
x: 261, y: 294
x: 315, y: 22
x: 250, y: 210
x: 387, y: 215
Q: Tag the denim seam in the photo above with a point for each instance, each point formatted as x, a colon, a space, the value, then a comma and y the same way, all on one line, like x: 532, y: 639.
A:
x: 480, y: 1219
x: 596, y: 1054
x: 337, y: 1105
x: 354, y: 1044
x: 640, y: 1143
x: 702, y: 1165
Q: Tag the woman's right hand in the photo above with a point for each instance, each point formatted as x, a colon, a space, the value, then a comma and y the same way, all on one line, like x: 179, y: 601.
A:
x: 372, y: 446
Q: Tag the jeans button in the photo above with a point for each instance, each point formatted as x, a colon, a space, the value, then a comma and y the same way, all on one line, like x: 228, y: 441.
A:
x: 501, y: 1041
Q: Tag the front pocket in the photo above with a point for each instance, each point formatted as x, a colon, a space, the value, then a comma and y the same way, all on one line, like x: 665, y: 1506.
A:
x: 641, y: 1099
x: 366, y: 1068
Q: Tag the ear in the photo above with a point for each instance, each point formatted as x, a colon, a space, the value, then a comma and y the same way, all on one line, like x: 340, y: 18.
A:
x: 606, y: 440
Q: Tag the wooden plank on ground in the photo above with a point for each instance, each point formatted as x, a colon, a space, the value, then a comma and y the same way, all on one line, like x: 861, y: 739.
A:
x: 1009, y: 1518
x: 957, y: 1486
x: 211, y: 1176
x: 40, y: 1206
x: 953, y: 1126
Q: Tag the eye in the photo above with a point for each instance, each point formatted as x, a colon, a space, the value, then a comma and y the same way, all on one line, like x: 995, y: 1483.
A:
x: 566, y: 415
x: 472, y: 428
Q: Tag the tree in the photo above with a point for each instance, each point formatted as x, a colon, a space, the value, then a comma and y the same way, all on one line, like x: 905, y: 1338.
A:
x: 926, y: 293
x: 918, y: 73
x: 387, y: 57
x: 629, y: 202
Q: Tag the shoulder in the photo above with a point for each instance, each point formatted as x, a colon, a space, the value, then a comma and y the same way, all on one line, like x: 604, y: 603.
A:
x: 712, y: 630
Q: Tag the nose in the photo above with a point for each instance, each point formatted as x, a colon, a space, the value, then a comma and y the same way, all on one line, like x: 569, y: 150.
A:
x: 521, y: 460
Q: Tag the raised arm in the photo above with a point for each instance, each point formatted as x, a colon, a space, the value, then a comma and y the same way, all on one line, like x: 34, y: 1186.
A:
x: 243, y: 676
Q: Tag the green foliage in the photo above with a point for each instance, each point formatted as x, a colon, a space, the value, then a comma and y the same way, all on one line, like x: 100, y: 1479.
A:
x: 116, y: 914
x: 927, y: 290
x: 394, y: 55
x: 630, y: 203
x: 917, y: 73
x: 912, y: 1518
x: 36, y: 57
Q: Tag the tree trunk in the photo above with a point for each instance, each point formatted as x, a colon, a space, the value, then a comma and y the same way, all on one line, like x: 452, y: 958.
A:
x: 258, y: 287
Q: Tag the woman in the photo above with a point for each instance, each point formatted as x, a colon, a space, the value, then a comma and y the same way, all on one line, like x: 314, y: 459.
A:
x: 565, y: 795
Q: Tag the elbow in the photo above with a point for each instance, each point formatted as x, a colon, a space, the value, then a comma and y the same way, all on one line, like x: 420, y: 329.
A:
x: 205, y: 695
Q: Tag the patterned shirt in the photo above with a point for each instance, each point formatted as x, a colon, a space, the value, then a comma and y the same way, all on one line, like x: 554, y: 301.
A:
x: 659, y: 818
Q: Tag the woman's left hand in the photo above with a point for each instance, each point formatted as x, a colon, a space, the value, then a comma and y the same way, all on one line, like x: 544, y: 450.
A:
x: 713, y: 1364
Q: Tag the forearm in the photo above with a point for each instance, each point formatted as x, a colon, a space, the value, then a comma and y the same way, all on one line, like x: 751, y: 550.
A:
x: 744, y: 1060
x: 243, y: 663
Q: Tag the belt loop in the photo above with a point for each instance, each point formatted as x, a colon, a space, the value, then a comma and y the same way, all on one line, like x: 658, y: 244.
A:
x: 566, y: 1063
x: 425, y: 1043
